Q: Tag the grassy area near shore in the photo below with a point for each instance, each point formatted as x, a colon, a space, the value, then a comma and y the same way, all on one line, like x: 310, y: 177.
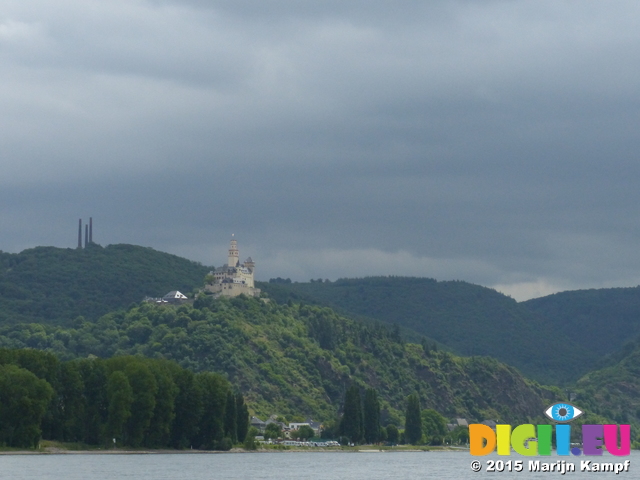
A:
x: 55, y: 447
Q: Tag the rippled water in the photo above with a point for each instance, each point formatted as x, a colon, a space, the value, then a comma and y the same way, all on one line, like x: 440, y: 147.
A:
x: 273, y: 466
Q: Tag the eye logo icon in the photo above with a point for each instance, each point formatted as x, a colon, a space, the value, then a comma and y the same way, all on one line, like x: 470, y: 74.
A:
x: 563, y: 412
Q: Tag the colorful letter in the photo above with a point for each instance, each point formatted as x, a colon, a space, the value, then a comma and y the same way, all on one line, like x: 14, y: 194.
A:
x: 592, y: 439
x: 611, y: 440
x: 520, y: 435
x: 478, y: 434
x: 563, y: 439
x: 544, y: 439
x: 503, y: 432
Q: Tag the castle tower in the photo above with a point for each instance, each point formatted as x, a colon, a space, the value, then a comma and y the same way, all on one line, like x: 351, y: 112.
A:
x: 234, y: 256
x: 234, y: 278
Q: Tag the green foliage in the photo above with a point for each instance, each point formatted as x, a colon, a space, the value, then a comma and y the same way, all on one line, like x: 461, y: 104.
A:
x: 137, y: 401
x: 215, y: 393
x: 159, y: 432
x: 188, y: 409
x: 434, y: 427
x: 351, y: 424
x: 305, y: 432
x: 250, y: 442
x: 470, y: 319
x: 602, y: 320
x: 272, y: 431
x: 144, y: 387
x: 23, y: 402
x: 272, y: 355
x: 67, y: 421
x: 120, y: 398
x: 613, y: 391
x: 242, y: 418
x: 371, y: 409
x: 393, y: 435
x: 330, y: 430
x: 230, y: 418
x: 55, y: 286
x: 459, y: 435
x: 413, y: 420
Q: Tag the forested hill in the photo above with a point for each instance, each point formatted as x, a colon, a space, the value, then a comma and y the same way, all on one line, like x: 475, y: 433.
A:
x: 294, y: 360
x: 602, y: 320
x: 614, y: 390
x: 470, y: 319
x: 56, y: 285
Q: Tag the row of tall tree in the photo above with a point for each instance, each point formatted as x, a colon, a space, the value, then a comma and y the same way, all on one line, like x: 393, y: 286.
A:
x: 361, y: 419
x: 360, y: 422
x: 129, y: 401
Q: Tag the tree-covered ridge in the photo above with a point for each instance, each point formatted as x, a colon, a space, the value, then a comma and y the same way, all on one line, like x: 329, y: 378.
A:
x: 614, y: 391
x: 131, y: 401
x: 470, y: 319
x: 56, y: 285
x: 600, y: 319
x: 296, y: 360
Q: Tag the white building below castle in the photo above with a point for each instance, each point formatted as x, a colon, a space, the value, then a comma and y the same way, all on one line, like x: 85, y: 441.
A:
x: 233, y: 278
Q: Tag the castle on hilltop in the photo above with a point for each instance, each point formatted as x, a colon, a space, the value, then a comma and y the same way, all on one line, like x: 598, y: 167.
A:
x: 233, y: 278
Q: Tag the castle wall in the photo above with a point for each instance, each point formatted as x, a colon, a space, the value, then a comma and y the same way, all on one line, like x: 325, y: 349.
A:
x: 232, y: 290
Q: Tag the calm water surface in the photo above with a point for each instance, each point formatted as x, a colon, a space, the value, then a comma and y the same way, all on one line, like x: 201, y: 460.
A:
x: 274, y: 466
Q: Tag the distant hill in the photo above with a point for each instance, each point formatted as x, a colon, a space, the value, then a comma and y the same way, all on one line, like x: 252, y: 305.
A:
x: 602, y: 320
x: 56, y: 285
x: 471, y: 319
x: 614, y: 390
x: 297, y: 360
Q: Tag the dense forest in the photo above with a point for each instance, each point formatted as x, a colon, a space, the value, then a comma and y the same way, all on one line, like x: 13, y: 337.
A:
x: 130, y: 401
x: 554, y: 339
x: 470, y: 319
x: 601, y: 320
x: 614, y: 389
x: 294, y: 353
x: 56, y: 285
x: 296, y: 359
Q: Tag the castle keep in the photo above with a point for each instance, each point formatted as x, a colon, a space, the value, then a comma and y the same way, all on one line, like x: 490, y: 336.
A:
x: 233, y: 278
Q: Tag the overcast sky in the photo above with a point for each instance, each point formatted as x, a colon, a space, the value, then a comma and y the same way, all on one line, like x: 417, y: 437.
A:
x: 495, y: 142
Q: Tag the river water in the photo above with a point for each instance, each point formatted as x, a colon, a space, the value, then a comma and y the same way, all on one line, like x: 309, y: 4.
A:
x: 281, y: 466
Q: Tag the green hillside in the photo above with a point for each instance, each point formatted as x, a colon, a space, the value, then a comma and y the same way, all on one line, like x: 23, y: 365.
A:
x: 470, y: 319
x: 56, y: 285
x: 296, y: 360
x: 614, y: 390
x: 601, y: 320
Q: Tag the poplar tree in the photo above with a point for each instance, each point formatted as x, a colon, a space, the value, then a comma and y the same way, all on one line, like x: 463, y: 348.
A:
x: 214, y: 389
x: 188, y: 409
x: 371, y: 416
x: 351, y: 425
x: 413, y: 420
x: 231, y: 418
x: 120, y: 398
x: 144, y: 387
x: 242, y: 418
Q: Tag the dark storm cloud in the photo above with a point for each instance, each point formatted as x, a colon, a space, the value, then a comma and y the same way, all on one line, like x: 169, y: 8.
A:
x: 491, y: 141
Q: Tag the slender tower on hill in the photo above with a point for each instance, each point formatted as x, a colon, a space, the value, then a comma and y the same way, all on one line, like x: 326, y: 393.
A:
x: 234, y: 255
x: 88, y: 233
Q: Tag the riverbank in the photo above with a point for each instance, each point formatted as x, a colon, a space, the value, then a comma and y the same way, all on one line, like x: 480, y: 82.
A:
x: 61, y: 448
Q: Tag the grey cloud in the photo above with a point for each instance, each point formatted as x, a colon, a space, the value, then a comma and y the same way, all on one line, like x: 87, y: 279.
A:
x: 489, y: 141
